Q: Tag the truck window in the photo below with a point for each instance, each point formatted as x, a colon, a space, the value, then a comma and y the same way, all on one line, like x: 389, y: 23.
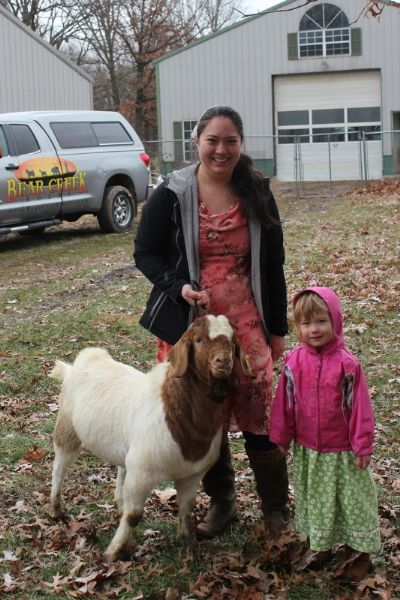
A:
x: 111, y: 133
x: 74, y: 135
x: 90, y: 135
x: 24, y: 139
x: 3, y: 143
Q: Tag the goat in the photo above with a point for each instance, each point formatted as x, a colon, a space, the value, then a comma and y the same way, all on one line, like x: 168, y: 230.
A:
x: 164, y: 424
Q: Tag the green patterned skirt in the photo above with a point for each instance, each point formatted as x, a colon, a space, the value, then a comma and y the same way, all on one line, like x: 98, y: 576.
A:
x: 335, y: 501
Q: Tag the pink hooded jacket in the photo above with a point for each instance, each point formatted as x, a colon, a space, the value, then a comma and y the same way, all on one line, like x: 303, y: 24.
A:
x: 322, y: 399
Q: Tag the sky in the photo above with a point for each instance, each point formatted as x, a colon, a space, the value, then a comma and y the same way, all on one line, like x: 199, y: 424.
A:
x: 258, y: 5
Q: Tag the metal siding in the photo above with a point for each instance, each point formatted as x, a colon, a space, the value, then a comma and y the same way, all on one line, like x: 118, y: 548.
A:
x: 237, y: 66
x: 34, y: 77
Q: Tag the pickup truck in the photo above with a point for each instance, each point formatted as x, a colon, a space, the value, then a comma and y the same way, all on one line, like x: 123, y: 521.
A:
x: 60, y: 165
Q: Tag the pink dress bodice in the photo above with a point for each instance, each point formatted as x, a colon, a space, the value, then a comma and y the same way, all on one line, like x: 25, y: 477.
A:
x: 224, y: 249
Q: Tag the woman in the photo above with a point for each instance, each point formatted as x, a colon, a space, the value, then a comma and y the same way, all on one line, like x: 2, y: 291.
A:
x: 210, y: 235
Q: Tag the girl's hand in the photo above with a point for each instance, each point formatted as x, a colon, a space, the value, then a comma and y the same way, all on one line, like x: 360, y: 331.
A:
x: 284, y: 449
x: 277, y: 346
x: 192, y: 297
x: 362, y: 462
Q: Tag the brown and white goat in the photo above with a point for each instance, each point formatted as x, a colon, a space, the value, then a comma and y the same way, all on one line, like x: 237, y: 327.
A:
x: 165, y: 424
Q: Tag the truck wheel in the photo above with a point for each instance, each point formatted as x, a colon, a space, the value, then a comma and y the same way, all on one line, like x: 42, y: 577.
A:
x: 118, y: 210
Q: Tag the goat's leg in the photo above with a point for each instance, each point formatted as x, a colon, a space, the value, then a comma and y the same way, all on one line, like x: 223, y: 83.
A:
x: 118, y: 494
x: 63, y: 459
x: 66, y: 447
x: 135, y: 491
x: 186, y: 491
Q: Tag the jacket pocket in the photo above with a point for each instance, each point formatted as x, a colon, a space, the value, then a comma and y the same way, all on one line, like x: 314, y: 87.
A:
x: 164, y: 317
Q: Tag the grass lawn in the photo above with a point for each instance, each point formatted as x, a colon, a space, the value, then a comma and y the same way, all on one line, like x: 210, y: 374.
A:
x: 73, y: 287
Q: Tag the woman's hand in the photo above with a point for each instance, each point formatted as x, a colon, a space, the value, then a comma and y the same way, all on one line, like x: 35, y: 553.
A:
x: 277, y: 346
x: 362, y: 462
x: 200, y: 298
x: 284, y: 449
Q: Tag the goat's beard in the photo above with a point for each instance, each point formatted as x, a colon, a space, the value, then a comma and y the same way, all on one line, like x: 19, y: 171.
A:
x: 221, y: 388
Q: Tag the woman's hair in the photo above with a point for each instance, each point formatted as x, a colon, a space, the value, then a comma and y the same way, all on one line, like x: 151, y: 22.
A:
x: 247, y: 182
x: 307, y: 305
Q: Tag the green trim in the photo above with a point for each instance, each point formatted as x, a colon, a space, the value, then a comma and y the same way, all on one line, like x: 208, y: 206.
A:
x: 158, y: 103
x: 221, y: 31
x: 177, y: 129
x: 169, y: 166
x: 266, y: 166
x: 387, y: 165
x: 356, y: 41
x: 292, y: 46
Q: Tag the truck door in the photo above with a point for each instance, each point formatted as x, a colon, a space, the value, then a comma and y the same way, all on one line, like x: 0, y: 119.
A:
x: 30, y: 187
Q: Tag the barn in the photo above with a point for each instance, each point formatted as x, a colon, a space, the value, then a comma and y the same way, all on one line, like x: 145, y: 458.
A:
x: 317, y: 86
x: 36, y: 76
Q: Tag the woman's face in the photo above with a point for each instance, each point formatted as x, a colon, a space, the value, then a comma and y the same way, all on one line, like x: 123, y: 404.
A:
x: 219, y: 147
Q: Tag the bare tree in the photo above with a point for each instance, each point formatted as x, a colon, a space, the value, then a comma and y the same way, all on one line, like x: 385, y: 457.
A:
x: 209, y: 16
x: 100, y: 27
x: 55, y: 21
x: 149, y: 29
x: 216, y: 14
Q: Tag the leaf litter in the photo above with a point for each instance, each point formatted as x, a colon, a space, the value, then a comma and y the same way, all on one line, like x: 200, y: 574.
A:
x: 65, y: 559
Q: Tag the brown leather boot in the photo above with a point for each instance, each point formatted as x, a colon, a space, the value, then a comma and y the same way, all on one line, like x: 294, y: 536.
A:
x: 357, y: 565
x: 219, y: 484
x: 270, y: 472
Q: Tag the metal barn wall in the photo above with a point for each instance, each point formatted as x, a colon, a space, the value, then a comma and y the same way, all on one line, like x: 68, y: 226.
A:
x: 36, y: 76
x: 237, y: 66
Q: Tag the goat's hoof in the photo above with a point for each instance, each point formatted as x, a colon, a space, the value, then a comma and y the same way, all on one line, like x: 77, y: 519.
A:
x: 119, y: 553
x: 58, y: 514
x: 189, y: 552
x: 112, y: 555
x: 186, y: 542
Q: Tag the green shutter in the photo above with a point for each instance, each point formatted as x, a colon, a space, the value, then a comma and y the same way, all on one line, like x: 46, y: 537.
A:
x: 178, y: 144
x: 293, y: 53
x: 355, y: 41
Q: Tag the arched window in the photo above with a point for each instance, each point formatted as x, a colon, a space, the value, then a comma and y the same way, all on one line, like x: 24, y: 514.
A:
x: 324, y: 31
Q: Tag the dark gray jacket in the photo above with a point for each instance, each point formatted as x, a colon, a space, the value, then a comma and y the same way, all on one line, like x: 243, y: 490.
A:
x: 166, y: 251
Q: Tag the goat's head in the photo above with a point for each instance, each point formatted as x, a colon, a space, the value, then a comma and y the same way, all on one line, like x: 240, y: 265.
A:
x: 209, y: 346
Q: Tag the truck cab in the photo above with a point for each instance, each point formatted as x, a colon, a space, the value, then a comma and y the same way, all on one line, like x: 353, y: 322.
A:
x: 60, y: 165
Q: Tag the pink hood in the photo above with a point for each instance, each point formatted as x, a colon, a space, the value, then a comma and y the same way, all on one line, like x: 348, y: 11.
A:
x: 332, y: 300
x: 322, y: 399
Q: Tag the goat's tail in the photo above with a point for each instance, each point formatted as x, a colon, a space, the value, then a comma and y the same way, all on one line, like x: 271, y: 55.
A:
x: 60, y: 370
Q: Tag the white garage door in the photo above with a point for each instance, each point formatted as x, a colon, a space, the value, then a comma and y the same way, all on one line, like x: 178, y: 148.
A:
x: 321, y: 120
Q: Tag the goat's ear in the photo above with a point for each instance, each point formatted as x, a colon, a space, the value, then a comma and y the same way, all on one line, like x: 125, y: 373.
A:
x: 178, y: 356
x: 244, y: 359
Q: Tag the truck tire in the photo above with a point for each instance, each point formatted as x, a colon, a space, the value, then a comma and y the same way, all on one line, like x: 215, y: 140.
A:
x: 118, y: 210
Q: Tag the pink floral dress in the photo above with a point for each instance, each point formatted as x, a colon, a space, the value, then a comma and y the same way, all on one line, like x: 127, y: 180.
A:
x: 224, y: 247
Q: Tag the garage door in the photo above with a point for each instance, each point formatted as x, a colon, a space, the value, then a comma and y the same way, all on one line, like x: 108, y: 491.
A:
x: 328, y: 126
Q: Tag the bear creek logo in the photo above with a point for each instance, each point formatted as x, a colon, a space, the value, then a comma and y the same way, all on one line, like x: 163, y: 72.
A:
x: 39, y: 176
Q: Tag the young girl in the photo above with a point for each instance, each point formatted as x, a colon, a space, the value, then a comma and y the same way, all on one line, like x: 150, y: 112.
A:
x: 322, y: 403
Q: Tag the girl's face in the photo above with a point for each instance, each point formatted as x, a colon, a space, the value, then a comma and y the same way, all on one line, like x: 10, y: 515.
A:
x: 316, y: 331
x: 219, y: 147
